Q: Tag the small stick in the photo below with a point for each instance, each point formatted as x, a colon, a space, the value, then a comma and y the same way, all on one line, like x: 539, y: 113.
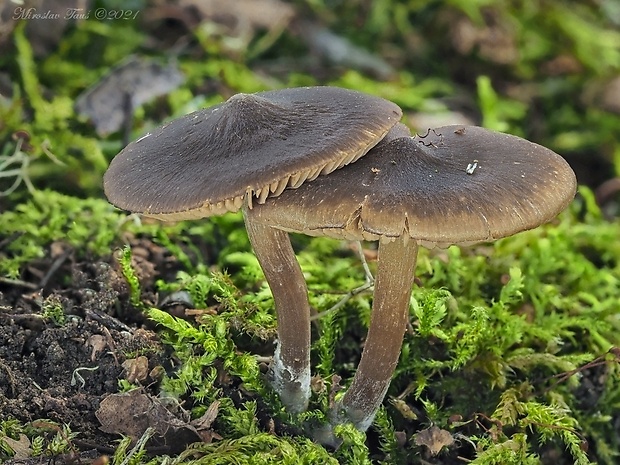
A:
x: 368, y: 284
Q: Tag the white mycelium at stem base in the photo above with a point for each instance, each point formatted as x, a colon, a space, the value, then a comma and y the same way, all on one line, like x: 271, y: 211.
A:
x: 290, y: 370
x: 390, y: 313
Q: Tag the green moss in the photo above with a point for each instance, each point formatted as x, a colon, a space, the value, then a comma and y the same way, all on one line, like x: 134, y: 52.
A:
x: 407, y: 91
x: 91, y: 225
x: 211, y: 343
x: 498, y: 113
x: 11, y: 430
x: 494, y: 328
x: 354, y: 449
x: 44, y: 438
x: 130, y: 276
x: 51, y: 128
x: 258, y: 448
x: 53, y: 310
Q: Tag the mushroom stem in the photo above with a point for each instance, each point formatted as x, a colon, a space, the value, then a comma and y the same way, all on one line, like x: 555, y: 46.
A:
x: 290, y: 369
x: 390, y: 312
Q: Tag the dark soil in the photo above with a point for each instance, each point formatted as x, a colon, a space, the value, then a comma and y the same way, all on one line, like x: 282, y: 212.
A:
x: 62, y: 372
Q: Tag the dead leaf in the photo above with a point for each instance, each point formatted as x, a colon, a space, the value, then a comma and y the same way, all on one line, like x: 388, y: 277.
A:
x: 340, y: 51
x: 334, y: 389
x: 434, y: 439
x: 131, y: 413
x: 422, y: 120
x: 494, y: 41
x: 206, y: 420
x: 21, y: 446
x: 136, y: 369
x: 236, y: 22
x: 561, y: 65
x: 157, y: 373
x: 111, y: 101
x: 98, y: 343
x: 317, y: 384
x: 203, y: 424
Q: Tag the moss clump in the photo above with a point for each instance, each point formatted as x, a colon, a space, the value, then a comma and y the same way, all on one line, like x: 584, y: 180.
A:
x: 89, y: 225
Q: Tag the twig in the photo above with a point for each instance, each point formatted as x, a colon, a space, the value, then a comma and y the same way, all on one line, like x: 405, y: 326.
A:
x: 140, y: 444
x: 54, y: 268
x: 368, y: 284
x: 368, y: 273
x: 598, y: 361
x: 19, y: 283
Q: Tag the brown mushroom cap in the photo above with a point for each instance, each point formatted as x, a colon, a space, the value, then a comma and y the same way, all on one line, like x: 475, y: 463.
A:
x: 252, y: 145
x: 456, y: 184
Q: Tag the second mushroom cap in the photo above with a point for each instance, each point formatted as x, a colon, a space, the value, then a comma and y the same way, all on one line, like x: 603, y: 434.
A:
x: 456, y: 184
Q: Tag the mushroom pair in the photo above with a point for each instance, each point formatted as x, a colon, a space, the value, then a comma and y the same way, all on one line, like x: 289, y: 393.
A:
x: 281, y: 155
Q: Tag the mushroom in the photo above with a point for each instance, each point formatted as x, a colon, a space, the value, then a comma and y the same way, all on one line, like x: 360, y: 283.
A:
x: 454, y: 185
x: 240, y: 152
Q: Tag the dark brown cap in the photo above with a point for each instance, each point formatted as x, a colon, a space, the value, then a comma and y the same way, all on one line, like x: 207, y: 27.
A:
x: 251, y: 146
x: 456, y: 184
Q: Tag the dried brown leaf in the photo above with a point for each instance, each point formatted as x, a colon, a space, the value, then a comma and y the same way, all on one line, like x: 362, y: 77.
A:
x: 206, y: 420
x: 111, y: 101
x: 131, y: 413
x: 434, y: 439
x: 136, y: 369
